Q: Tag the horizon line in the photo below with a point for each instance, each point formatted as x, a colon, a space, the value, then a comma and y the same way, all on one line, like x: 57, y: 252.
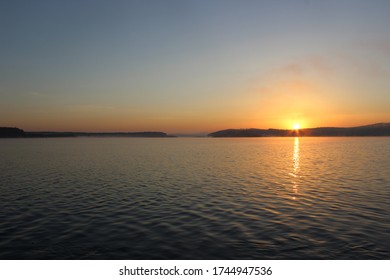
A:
x: 187, y: 133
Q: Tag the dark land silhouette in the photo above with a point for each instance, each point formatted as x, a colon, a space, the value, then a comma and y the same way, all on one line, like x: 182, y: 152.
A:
x: 8, y: 132
x: 13, y: 132
x: 379, y: 129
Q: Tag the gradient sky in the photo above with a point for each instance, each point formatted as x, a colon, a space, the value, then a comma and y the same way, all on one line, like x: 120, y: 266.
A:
x: 193, y: 66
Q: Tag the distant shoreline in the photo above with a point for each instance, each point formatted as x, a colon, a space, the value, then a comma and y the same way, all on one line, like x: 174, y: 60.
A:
x: 379, y: 129
x: 13, y: 132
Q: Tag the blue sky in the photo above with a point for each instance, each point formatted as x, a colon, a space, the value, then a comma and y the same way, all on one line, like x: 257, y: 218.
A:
x: 190, y: 66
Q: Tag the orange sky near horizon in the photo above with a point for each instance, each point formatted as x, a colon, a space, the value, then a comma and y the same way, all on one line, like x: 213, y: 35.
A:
x: 194, y: 67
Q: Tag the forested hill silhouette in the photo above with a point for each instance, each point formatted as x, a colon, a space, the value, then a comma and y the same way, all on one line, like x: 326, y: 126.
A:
x: 379, y: 129
x: 13, y: 132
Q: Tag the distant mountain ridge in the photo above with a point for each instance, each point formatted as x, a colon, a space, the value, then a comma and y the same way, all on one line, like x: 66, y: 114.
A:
x: 378, y: 129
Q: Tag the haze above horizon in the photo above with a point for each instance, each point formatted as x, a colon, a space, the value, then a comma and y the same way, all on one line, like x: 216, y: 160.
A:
x: 193, y: 66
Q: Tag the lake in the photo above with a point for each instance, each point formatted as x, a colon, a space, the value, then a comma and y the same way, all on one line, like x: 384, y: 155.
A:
x: 195, y: 198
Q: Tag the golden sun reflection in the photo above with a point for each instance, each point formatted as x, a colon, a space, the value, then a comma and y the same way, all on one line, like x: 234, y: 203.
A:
x: 295, y: 167
x: 296, y: 155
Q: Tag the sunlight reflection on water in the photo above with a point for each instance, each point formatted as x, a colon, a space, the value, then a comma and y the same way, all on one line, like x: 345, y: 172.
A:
x: 120, y: 198
x: 296, y: 167
x: 295, y: 170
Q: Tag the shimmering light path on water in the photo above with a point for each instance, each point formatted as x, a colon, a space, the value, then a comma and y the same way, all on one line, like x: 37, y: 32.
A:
x: 195, y: 198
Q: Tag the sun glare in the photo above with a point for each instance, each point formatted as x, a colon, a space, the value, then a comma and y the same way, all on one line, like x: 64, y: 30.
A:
x: 296, y: 126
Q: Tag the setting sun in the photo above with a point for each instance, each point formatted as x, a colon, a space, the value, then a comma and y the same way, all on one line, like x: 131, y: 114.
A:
x: 296, y: 126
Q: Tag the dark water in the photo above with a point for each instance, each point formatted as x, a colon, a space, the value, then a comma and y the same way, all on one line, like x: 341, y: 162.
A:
x: 264, y: 198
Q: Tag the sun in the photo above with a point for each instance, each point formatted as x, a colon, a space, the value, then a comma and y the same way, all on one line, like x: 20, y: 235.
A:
x: 296, y: 126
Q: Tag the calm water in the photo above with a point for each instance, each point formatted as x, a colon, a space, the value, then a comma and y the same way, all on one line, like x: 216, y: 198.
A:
x: 263, y: 198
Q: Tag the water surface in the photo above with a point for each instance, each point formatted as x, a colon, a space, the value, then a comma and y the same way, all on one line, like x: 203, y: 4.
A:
x: 195, y: 198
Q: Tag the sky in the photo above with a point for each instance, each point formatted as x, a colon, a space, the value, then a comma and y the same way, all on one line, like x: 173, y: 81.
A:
x: 193, y: 66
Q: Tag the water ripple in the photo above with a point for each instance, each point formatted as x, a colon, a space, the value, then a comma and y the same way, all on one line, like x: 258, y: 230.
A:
x: 91, y: 198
